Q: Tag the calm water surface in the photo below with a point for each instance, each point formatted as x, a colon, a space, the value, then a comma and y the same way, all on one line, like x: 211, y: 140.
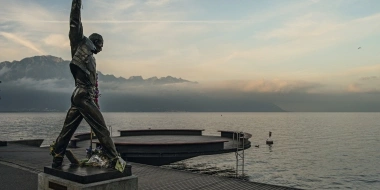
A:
x: 310, y: 151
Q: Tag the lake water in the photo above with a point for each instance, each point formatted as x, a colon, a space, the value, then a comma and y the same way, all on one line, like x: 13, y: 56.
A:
x: 310, y: 151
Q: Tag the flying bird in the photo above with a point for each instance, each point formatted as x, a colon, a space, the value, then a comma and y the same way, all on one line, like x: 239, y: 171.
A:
x: 359, y: 47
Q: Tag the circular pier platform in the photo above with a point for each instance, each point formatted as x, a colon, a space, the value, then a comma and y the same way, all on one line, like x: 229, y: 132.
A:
x: 165, y: 146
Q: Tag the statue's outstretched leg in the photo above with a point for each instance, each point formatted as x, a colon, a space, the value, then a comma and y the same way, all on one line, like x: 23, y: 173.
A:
x: 95, y: 119
x: 83, y: 100
x: 72, y: 121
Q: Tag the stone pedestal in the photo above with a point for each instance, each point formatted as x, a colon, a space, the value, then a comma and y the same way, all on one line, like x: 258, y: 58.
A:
x: 86, y: 178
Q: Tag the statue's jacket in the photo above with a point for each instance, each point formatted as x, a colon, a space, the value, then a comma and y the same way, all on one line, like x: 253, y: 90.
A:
x: 83, y: 64
x: 84, y: 59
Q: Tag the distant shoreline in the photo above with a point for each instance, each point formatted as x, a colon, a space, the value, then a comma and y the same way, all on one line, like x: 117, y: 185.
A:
x: 151, y: 111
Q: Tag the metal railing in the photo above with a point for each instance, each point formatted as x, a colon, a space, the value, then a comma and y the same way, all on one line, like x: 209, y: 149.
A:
x: 110, y: 130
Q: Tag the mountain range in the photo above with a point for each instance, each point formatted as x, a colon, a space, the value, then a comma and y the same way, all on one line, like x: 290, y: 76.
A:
x: 44, y: 83
x: 57, y: 68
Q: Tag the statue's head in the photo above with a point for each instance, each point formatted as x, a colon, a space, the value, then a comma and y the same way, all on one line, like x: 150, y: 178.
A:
x: 97, y: 39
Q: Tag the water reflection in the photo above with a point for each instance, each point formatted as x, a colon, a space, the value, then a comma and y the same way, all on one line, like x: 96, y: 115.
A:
x: 270, y: 148
x: 309, y: 150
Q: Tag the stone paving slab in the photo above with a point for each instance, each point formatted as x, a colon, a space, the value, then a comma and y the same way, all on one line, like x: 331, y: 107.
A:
x: 15, y: 178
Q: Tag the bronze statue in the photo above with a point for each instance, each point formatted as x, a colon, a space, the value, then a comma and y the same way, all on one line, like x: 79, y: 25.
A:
x: 83, y: 104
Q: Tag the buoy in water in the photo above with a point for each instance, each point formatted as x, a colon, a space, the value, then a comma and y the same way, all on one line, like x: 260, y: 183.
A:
x: 269, y: 140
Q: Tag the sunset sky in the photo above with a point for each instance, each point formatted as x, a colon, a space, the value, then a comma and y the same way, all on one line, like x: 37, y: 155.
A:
x: 310, y: 46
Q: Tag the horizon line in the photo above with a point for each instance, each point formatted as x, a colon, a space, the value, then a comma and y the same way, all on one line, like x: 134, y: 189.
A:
x: 141, y: 21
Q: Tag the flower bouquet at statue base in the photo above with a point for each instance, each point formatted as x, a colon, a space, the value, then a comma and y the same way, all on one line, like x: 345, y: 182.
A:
x: 96, y: 158
x: 120, y: 164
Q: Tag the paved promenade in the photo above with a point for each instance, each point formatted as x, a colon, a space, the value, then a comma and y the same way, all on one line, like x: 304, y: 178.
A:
x: 20, y: 164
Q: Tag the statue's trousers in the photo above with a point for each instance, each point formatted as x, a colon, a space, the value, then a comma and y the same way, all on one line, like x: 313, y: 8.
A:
x: 83, y: 106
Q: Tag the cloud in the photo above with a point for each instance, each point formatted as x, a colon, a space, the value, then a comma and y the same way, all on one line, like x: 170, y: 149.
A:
x: 321, y: 25
x: 305, y: 35
x: 371, y: 86
x: 354, y: 88
x: 50, y: 85
x: 111, y: 6
x: 158, y: 2
x: 4, y: 70
x: 57, y: 40
x: 369, y: 78
x: 20, y: 40
x: 353, y: 72
x: 30, y: 15
x: 279, y: 10
x: 264, y: 86
x: 306, y: 26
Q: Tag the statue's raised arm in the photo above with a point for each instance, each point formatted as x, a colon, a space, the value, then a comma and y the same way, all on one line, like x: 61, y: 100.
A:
x: 76, y: 28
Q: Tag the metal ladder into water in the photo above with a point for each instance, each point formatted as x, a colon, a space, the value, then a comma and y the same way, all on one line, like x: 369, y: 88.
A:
x: 110, y: 130
x: 239, y: 141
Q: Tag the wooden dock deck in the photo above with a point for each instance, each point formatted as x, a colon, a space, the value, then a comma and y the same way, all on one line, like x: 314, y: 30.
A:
x: 33, y: 159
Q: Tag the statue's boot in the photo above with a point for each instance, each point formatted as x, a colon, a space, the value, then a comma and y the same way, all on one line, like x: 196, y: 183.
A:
x: 57, y: 161
x: 57, y: 158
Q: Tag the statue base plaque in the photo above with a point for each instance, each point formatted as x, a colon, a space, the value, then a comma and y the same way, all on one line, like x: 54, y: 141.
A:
x: 69, y: 177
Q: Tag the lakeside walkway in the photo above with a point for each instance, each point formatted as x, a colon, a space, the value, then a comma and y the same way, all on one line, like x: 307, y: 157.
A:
x: 20, y: 164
